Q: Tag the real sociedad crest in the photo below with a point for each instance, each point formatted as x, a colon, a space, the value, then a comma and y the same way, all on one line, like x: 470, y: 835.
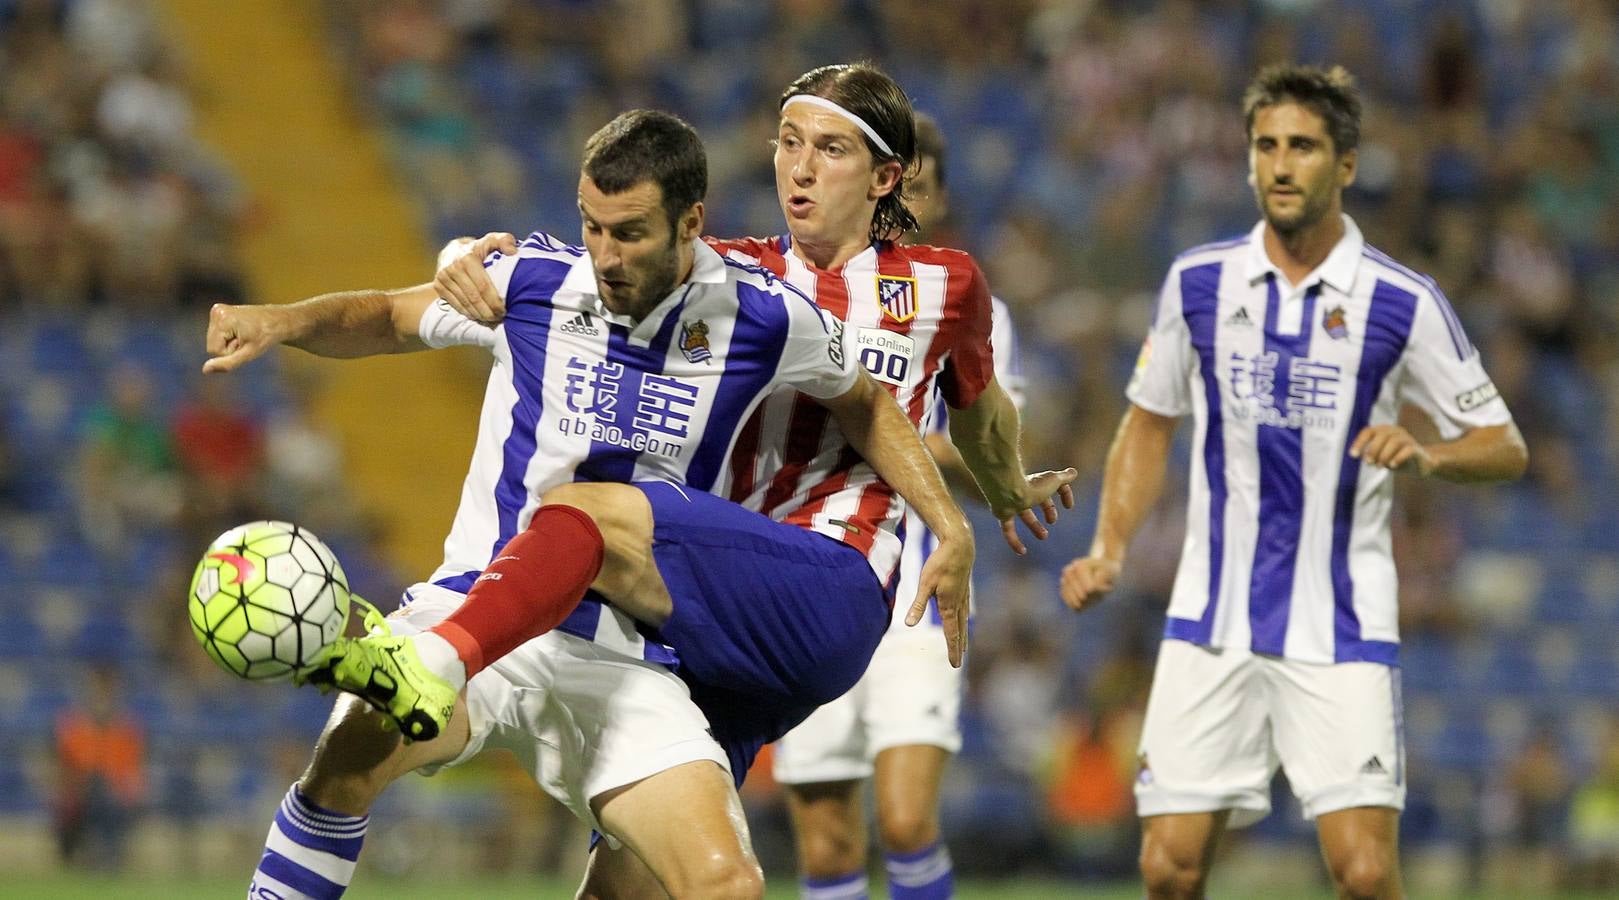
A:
x: 897, y: 295
x: 694, y: 341
x: 1336, y: 323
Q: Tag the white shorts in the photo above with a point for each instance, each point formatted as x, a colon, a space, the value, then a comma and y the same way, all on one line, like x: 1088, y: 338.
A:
x: 1219, y: 721
x: 581, y: 718
x: 909, y: 695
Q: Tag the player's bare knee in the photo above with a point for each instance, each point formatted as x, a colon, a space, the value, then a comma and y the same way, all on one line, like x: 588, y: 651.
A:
x: 830, y: 854
x: 1170, y: 875
x: 723, y: 878
x: 610, y: 506
x: 1366, y: 875
x: 906, y: 830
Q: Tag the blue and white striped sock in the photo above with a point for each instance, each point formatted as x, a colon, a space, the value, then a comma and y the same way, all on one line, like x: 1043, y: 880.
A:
x: 852, y: 886
x: 926, y: 874
x: 309, y: 854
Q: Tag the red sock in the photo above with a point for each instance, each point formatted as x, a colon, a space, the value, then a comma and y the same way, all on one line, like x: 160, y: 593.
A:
x: 531, y: 586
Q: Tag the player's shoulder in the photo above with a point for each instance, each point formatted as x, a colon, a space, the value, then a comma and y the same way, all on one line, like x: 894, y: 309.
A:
x: 964, y: 282
x: 1389, y: 270
x: 1424, y: 293
x: 957, y: 262
x: 756, y: 284
x: 539, y: 245
x: 744, y: 249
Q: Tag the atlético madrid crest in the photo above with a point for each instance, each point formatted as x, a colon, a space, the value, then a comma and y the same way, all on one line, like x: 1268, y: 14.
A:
x: 897, y: 294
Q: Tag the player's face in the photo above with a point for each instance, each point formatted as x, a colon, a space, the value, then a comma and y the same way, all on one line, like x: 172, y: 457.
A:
x: 925, y: 197
x: 638, y: 255
x: 1297, y: 174
x: 826, y: 178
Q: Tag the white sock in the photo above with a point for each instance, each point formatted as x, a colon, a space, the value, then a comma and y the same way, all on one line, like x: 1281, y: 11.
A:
x: 440, y: 658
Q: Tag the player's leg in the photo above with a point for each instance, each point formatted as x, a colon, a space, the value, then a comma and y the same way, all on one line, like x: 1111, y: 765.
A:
x: 704, y: 852
x: 907, y: 789
x: 1337, y: 730
x: 1206, y: 762
x: 315, y: 840
x: 612, y: 873
x: 1177, y: 852
x: 583, y: 536
x: 823, y: 765
x: 912, y: 712
x: 317, y: 833
x: 1361, y: 848
x: 829, y: 829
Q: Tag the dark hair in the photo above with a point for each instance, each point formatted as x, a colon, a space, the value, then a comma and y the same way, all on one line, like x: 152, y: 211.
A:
x: 930, y: 144
x: 863, y: 89
x: 648, y: 145
x: 1329, y: 93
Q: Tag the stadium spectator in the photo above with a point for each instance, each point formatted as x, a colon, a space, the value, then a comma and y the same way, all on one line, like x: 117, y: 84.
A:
x: 101, y: 779
x: 1594, y: 820
x: 128, y: 475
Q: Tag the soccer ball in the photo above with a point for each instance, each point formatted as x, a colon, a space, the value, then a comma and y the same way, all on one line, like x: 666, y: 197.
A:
x: 268, y: 600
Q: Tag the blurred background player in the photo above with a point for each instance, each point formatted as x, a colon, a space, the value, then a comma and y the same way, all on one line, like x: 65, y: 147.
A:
x: 1293, y: 347
x: 900, y: 725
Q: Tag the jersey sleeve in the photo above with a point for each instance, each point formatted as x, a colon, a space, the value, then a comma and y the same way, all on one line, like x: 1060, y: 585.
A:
x: 442, y: 326
x: 1008, y: 363
x: 815, y: 358
x: 1444, y: 374
x: 971, y: 363
x: 1161, y: 382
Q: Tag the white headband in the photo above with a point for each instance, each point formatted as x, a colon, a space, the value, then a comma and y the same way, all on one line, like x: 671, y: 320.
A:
x: 859, y: 122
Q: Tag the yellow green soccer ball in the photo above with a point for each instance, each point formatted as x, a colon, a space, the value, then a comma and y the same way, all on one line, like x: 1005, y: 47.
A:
x: 268, y: 600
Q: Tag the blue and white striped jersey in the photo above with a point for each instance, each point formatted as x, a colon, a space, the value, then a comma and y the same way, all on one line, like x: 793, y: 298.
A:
x: 1287, y: 537
x: 577, y: 393
x: 919, y: 540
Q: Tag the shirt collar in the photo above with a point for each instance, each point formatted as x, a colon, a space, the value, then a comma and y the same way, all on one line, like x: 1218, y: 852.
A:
x: 1337, y: 270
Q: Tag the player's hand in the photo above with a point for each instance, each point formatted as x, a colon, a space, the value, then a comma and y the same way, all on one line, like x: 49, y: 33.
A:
x: 1086, y: 579
x: 946, y: 576
x: 463, y: 283
x: 239, y: 334
x: 1392, y: 447
x: 1043, y: 491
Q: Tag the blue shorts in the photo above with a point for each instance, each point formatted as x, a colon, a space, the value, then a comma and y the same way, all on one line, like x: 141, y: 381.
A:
x: 770, y: 620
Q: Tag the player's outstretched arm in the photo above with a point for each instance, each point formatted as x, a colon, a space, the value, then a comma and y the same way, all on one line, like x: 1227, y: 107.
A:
x: 879, y: 430
x: 1131, y: 483
x: 343, y: 325
x: 1490, y: 453
x: 985, y: 433
x: 463, y: 282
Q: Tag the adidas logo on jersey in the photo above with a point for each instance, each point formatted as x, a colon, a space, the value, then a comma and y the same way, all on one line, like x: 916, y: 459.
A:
x: 581, y: 324
x: 1374, y: 766
x: 1240, y: 318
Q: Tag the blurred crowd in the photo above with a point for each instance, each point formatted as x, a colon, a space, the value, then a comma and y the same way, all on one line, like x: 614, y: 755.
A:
x: 1091, y: 140
x: 118, y: 461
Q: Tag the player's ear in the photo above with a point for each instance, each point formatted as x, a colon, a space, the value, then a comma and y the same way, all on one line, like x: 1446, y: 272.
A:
x: 1347, y: 167
x: 884, y: 178
x: 691, y: 221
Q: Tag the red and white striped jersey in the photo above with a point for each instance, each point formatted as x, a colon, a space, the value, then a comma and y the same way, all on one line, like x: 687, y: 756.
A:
x: 918, y: 320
